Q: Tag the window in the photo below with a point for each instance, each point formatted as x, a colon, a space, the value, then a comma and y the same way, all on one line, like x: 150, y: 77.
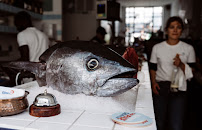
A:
x: 141, y: 22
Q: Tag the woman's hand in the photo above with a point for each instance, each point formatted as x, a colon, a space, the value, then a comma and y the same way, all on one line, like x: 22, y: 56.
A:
x: 155, y: 88
x: 177, y: 62
x: 154, y: 84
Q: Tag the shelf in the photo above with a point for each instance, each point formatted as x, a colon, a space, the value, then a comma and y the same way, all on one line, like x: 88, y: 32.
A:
x: 6, y: 10
x: 8, y: 29
x: 13, y: 10
x: 9, y: 10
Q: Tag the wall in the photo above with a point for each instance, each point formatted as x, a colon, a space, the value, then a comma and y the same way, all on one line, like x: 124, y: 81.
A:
x: 55, y: 17
x: 52, y: 20
x: 8, y: 47
x: 196, y: 21
x: 174, y: 7
x: 79, y: 26
x: 79, y: 19
x: 193, y: 12
x: 166, y: 15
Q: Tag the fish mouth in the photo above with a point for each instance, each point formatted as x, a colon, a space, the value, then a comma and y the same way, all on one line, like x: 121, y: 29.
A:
x: 129, y: 74
x: 117, y: 84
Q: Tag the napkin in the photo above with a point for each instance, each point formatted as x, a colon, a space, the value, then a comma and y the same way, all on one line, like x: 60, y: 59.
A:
x: 184, y: 76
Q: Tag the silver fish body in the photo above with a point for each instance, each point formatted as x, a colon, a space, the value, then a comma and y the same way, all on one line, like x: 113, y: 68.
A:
x: 83, y: 67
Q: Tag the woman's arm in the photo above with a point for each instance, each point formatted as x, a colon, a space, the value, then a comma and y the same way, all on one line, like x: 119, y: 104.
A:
x: 155, y: 86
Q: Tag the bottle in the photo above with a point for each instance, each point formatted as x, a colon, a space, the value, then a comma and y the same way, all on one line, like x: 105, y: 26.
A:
x: 27, y: 5
x: 174, y: 80
x: 40, y: 7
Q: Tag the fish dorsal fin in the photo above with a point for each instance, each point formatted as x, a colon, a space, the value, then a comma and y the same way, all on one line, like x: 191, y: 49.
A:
x: 25, y: 65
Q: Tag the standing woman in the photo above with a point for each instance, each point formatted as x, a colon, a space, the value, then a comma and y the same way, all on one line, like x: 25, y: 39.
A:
x: 169, y: 107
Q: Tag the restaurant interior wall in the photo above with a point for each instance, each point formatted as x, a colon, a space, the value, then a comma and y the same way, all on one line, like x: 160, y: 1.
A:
x: 86, y: 20
x: 79, y: 19
x: 52, y: 20
x: 54, y: 17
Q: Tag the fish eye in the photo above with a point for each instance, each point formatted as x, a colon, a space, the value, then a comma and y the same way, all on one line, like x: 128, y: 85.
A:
x: 92, y: 64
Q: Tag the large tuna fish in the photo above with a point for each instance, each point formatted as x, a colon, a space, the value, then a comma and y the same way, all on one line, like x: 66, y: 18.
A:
x: 82, y: 67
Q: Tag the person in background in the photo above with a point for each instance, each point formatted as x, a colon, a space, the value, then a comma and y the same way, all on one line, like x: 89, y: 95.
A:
x: 100, y: 35
x: 160, y: 33
x: 32, y: 43
x: 169, y: 107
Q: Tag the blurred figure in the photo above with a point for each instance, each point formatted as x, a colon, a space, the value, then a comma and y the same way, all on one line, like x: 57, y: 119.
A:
x: 32, y: 43
x: 100, y: 35
x: 160, y: 33
x: 169, y: 106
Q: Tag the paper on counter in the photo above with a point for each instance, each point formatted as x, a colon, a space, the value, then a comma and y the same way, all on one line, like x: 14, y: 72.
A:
x: 9, y: 93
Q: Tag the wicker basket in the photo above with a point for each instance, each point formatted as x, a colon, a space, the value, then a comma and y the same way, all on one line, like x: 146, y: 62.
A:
x: 13, y: 106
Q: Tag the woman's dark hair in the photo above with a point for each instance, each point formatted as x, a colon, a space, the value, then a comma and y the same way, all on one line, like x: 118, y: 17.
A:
x: 172, y: 19
x: 22, y: 20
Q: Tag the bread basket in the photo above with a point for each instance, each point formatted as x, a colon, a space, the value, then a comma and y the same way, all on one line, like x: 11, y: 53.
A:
x: 14, y: 105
